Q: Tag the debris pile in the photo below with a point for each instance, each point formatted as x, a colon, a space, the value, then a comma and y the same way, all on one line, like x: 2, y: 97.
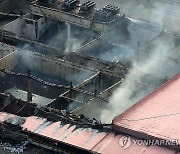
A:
x: 11, y: 138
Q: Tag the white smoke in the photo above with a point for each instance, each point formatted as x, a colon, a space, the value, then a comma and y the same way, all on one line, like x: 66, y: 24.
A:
x: 140, y: 34
x: 72, y: 44
x: 142, y: 79
x: 164, y: 13
x: 151, y: 67
x: 68, y: 41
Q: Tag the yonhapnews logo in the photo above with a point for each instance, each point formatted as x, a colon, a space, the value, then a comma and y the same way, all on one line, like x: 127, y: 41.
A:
x: 125, y: 142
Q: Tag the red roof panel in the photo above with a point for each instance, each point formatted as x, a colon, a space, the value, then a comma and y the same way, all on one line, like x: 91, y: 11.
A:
x: 110, y: 144
x: 157, y: 115
x: 86, y: 138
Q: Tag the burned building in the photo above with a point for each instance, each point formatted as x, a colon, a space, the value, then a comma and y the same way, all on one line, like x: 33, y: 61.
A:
x: 67, y: 67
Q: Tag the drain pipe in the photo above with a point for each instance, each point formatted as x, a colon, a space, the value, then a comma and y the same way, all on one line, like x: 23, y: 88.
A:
x: 29, y: 87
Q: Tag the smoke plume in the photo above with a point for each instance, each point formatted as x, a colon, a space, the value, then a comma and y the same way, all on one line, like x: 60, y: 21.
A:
x: 151, y: 66
x: 144, y: 77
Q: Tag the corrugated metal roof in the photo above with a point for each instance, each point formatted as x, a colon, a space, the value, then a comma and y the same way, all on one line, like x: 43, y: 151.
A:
x: 157, y: 115
x: 110, y: 144
x: 86, y: 138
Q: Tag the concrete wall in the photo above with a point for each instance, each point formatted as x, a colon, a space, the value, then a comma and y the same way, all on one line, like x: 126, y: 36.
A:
x: 28, y: 30
x: 14, y: 27
x: 5, y: 50
x: 90, y: 46
x: 26, y: 27
x: 9, y: 62
x: 67, y: 17
x: 34, y: 29
x: 55, y: 68
x: 94, y: 106
x: 97, y: 64
x: 108, y: 92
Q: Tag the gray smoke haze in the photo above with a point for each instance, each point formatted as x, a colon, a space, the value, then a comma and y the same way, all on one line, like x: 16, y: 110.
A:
x: 151, y: 65
x: 144, y: 77
x: 63, y: 37
x: 164, y: 13
x: 72, y: 43
x: 140, y: 34
x: 79, y: 77
x: 68, y: 38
